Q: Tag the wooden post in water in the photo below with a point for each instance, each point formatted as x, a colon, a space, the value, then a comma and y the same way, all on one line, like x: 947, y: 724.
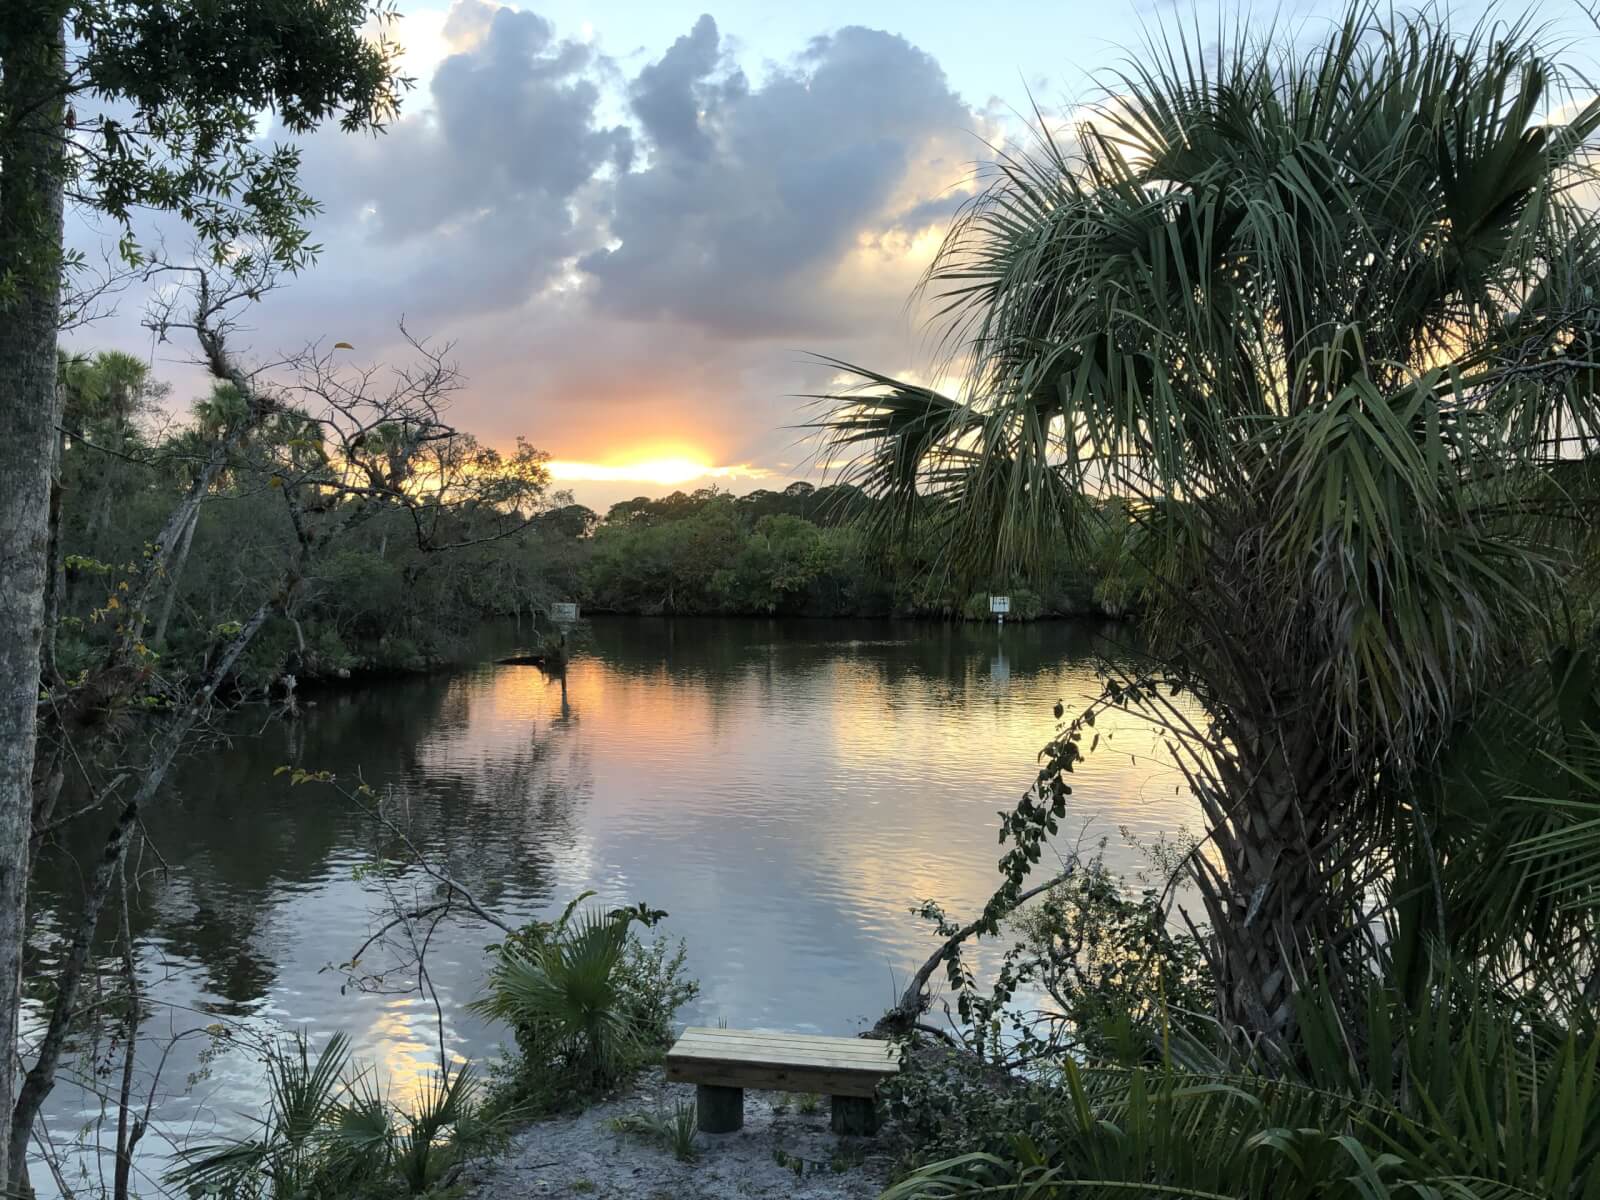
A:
x: 718, y: 1109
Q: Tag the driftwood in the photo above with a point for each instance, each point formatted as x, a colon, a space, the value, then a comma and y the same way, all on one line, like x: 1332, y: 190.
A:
x: 903, y: 1017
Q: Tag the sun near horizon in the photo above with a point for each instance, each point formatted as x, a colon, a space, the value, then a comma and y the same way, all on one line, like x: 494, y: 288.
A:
x: 660, y: 464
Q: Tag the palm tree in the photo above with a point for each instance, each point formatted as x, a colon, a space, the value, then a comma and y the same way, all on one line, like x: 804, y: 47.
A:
x: 1323, y: 322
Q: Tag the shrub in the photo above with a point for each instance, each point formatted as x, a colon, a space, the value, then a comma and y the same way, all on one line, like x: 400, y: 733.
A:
x: 587, y: 1002
x: 947, y: 1104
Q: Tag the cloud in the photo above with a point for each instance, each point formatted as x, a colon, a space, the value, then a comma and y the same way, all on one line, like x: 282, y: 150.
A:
x: 467, y: 24
x: 627, y: 260
x: 674, y: 98
x: 478, y: 199
x: 752, y: 197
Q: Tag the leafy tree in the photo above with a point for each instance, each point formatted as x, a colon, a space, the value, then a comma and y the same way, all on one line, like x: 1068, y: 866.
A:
x: 124, y: 105
x: 779, y: 561
x: 1323, y: 321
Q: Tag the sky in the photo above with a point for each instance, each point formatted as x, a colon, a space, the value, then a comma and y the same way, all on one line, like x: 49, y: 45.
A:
x: 636, y: 223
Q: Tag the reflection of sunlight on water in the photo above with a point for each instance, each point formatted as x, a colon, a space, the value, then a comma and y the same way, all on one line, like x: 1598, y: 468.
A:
x: 403, y: 1031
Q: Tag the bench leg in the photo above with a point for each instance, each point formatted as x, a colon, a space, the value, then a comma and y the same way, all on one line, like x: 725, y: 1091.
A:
x: 718, y: 1109
x: 857, y: 1115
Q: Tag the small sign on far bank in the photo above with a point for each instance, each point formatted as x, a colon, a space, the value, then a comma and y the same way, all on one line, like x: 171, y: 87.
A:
x: 1000, y: 606
x: 564, y: 613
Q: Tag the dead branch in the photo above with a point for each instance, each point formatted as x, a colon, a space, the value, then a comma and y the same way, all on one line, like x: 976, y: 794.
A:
x: 902, y: 1018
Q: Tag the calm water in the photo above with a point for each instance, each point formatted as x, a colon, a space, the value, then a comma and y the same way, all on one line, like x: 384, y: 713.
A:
x: 786, y: 790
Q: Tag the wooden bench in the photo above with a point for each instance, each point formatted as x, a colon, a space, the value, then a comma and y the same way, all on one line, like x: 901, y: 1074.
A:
x: 723, y: 1062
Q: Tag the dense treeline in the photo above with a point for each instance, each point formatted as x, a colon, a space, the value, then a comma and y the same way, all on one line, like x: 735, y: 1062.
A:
x: 386, y: 599
x: 810, y: 551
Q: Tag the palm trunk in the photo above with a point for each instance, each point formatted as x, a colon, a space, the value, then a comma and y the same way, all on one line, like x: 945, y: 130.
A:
x: 32, y: 90
x: 1274, y: 909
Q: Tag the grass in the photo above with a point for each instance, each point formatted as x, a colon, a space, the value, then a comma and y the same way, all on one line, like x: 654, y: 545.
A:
x: 809, y: 1103
x: 676, y: 1129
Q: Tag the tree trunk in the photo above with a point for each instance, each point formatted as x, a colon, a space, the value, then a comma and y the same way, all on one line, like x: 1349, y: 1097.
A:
x: 56, y: 576
x: 1276, y: 905
x: 32, y: 90
x: 174, y: 575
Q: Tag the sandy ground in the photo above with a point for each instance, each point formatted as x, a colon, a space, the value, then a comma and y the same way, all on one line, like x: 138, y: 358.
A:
x: 582, y: 1156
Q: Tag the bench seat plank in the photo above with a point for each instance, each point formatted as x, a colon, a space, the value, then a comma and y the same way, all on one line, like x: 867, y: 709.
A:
x: 871, y: 1057
x: 781, y: 1062
x: 706, y: 1032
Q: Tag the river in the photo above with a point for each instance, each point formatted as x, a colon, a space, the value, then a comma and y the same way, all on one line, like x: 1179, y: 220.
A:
x: 786, y: 790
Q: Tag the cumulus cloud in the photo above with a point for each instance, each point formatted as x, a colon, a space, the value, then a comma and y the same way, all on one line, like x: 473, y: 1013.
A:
x: 468, y: 23
x: 674, y: 97
x: 751, y: 198
x: 478, y: 198
x: 632, y: 256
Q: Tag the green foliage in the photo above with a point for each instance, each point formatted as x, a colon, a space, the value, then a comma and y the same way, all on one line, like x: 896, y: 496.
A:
x: 327, y: 1136
x: 167, y: 106
x: 949, y: 1105
x: 1115, y: 973
x: 587, y: 1002
x: 378, y: 599
x: 676, y: 1129
x: 1463, y: 1096
x: 801, y: 552
x: 1505, y: 868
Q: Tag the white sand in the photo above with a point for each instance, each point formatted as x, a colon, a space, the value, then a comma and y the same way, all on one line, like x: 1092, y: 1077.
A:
x: 581, y: 1156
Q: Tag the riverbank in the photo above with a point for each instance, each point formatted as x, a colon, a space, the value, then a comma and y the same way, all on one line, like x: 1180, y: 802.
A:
x: 782, y: 1151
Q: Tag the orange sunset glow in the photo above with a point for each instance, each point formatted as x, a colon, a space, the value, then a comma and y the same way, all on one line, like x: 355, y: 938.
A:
x: 664, y: 472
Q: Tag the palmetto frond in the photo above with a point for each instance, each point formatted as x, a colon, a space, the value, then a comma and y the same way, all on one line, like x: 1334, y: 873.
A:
x: 569, y: 989
x: 1333, y: 294
x: 303, y: 1093
x: 1462, y: 1096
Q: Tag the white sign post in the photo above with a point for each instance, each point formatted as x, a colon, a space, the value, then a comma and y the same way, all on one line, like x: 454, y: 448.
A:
x: 1000, y: 606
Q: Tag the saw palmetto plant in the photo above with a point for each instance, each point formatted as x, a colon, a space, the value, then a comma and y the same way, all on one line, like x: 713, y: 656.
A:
x: 328, y: 1131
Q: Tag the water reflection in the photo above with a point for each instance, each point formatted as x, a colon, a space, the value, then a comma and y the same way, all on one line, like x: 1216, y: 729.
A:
x: 786, y: 790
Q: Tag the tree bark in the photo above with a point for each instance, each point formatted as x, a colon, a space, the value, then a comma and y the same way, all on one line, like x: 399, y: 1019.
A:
x: 32, y: 104
x: 174, y: 575
x: 1277, y: 901
x: 56, y: 576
